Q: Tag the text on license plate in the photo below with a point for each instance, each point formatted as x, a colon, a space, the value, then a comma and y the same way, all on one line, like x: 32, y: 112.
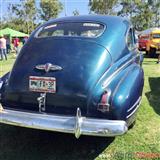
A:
x: 42, y: 84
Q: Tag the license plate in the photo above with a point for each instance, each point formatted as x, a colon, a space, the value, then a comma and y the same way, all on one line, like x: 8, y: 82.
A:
x: 42, y: 84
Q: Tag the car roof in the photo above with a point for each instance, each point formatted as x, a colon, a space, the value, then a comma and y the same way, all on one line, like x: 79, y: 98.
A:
x: 96, y: 18
x: 113, y: 35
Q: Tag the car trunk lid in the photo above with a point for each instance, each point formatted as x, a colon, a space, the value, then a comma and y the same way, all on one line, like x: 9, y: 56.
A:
x: 82, y: 61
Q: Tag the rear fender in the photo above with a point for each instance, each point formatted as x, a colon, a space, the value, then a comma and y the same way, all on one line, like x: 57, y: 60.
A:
x: 128, y: 92
x: 108, y: 82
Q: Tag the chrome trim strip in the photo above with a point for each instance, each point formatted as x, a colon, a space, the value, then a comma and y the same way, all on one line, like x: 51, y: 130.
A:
x: 133, y: 111
x: 138, y: 100
x: 97, y: 22
x: 118, y: 85
x: 77, y: 125
x: 108, y: 80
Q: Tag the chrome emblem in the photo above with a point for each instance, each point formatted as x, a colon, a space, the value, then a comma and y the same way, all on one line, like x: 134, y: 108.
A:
x: 48, y: 67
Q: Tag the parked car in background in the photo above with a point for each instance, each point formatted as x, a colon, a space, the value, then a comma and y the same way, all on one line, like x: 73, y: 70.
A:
x: 79, y: 75
x: 153, y: 43
x: 142, y: 42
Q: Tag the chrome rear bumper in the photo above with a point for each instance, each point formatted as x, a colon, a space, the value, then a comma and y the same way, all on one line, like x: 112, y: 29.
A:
x: 77, y: 125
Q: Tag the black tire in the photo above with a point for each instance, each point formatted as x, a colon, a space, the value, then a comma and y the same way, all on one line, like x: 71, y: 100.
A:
x: 152, y: 52
x: 132, y: 125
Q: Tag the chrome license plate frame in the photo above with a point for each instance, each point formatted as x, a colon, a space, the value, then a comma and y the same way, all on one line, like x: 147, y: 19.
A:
x: 42, y: 84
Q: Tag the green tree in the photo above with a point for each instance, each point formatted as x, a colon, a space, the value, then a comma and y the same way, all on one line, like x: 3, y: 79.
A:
x: 155, y: 7
x: 102, y: 6
x: 138, y: 11
x: 24, y: 14
x: 30, y: 14
x: 142, y: 19
x: 142, y: 13
x: 13, y: 23
x: 50, y: 9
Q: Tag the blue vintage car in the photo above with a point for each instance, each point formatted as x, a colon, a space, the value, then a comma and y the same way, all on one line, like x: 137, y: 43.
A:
x: 79, y: 75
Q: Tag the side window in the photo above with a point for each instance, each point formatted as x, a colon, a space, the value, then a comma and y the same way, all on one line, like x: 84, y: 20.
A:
x: 131, y: 40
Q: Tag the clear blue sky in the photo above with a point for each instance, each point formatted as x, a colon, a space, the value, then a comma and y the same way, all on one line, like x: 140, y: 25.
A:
x: 69, y: 5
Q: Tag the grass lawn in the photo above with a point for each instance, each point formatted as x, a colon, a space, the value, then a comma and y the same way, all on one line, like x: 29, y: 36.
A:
x: 5, y: 66
x: 142, y: 140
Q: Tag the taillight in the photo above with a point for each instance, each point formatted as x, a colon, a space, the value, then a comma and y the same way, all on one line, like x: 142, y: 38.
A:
x: 104, y: 106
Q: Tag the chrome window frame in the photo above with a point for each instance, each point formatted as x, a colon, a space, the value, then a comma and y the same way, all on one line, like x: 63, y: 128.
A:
x: 133, y: 39
x: 42, y: 27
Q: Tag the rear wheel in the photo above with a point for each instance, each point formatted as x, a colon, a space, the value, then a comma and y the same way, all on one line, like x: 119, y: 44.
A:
x: 132, y: 125
x: 152, y: 52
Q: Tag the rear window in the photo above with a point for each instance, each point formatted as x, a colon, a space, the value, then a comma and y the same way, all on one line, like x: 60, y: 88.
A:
x: 71, y: 30
x: 156, y: 35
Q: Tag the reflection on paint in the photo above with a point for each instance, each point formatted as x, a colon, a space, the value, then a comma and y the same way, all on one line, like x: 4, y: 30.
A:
x: 101, y: 60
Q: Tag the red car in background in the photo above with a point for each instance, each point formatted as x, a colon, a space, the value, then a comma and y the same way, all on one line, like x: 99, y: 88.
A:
x: 142, y: 41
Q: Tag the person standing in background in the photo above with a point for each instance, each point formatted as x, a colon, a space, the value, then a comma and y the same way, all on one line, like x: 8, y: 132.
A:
x: 16, y: 44
x: 3, y: 47
x: 8, y: 44
x: 24, y: 40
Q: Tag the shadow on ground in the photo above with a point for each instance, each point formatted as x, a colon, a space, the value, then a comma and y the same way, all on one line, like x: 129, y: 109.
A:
x: 154, y: 95
x: 29, y: 144
x: 150, y: 63
x: 149, y: 60
x: 150, y: 56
